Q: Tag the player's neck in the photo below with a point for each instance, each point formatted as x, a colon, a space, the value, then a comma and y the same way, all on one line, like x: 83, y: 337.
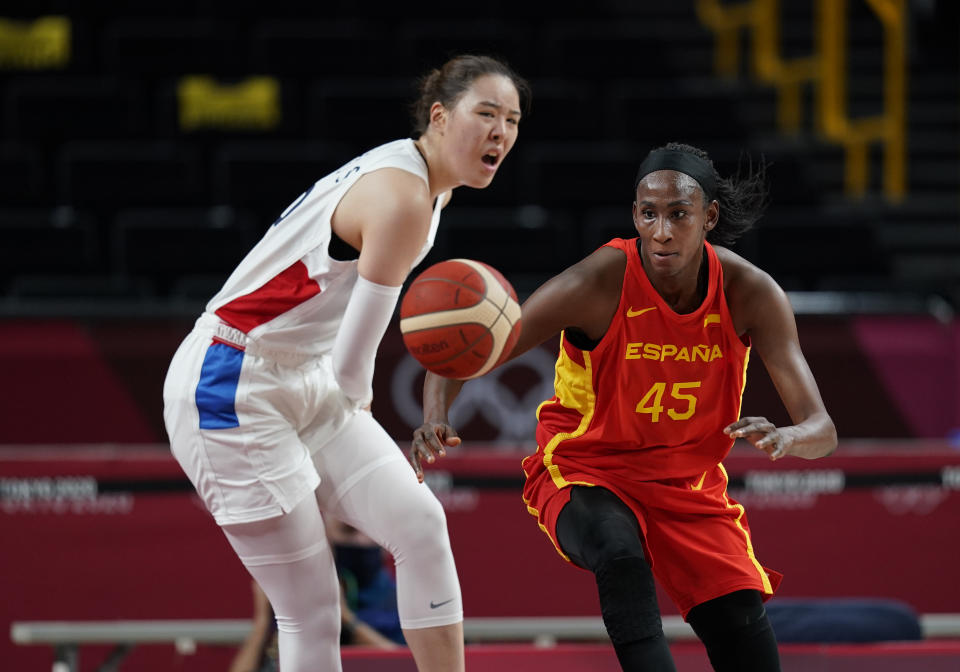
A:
x: 685, y: 291
x: 437, y: 176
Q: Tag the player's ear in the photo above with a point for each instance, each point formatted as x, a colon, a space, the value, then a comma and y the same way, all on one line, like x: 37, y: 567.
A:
x: 713, y: 215
x: 438, y: 116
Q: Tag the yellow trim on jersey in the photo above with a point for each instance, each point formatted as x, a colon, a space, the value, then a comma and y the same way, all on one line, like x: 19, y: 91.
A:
x: 767, y: 588
x: 532, y: 511
x: 743, y: 383
x: 573, y: 386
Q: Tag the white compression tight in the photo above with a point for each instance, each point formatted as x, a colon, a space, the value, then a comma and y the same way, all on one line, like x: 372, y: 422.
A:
x: 366, y: 482
x: 290, y: 559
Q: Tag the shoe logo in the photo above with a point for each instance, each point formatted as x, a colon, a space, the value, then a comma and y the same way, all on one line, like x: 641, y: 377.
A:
x: 434, y: 605
x: 633, y: 313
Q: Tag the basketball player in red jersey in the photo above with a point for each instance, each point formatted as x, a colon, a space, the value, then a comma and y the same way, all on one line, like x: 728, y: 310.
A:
x: 656, y: 332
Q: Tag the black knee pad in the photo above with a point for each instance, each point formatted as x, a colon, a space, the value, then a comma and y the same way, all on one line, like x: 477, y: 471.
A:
x: 739, y: 612
x: 736, y: 632
x: 596, y: 527
x: 628, y: 600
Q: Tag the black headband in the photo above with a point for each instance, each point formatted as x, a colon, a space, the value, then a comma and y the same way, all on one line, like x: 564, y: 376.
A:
x: 682, y: 162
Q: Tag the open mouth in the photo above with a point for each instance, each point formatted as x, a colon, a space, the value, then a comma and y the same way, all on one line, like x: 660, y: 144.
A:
x: 491, y: 159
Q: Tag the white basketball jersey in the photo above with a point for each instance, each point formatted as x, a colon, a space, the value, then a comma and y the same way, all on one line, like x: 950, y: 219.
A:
x: 288, y: 294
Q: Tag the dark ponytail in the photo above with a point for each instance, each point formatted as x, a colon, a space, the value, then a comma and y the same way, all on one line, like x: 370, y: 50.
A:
x: 743, y: 197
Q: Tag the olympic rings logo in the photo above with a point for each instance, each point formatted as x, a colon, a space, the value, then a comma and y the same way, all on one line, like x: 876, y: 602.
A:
x: 489, y: 396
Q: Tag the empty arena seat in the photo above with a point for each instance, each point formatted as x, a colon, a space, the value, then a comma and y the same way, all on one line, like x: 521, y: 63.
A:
x: 269, y: 175
x: 196, y: 288
x: 96, y: 289
x: 284, y: 47
x: 425, y: 44
x: 365, y: 112
x: 22, y: 174
x: 786, y: 249
x: 527, y: 239
x: 151, y: 46
x: 563, y: 109
x: 62, y: 107
x: 115, y: 174
x: 662, y: 111
x: 599, y: 47
x: 43, y: 240
x: 580, y: 174
x: 164, y: 244
x: 603, y: 224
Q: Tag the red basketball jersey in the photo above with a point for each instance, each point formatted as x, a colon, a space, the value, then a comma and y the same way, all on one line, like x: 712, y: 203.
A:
x: 650, y: 401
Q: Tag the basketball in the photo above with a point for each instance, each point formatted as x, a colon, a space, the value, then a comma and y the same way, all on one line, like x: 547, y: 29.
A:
x: 460, y: 318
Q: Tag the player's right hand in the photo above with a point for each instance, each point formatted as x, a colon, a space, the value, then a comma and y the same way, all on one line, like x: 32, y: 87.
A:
x: 429, y: 442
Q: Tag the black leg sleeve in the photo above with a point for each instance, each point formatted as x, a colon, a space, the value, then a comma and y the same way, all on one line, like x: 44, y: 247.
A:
x: 600, y: 533
x: 736, y: 632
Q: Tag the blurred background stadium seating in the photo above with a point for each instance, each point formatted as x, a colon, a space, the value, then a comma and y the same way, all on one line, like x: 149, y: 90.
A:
x: 149, y: 134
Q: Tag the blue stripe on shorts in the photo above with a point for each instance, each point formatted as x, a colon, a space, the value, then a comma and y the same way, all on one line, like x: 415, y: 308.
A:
x: 217, y: 388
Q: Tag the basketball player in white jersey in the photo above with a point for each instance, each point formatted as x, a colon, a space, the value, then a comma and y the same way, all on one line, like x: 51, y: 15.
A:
x: 267, y: 400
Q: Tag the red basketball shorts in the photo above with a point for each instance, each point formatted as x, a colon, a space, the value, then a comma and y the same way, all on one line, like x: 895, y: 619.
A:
x: 695, y: 535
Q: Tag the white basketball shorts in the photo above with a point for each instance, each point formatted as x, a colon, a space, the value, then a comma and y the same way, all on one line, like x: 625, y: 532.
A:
x: 244, y: 423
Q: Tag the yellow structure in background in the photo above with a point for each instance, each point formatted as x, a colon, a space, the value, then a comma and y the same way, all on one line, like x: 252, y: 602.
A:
x: 826, y: 70
x: 204, y: 103
x: 761, y: 18
x: 40, y: 44
x: 888, y: 128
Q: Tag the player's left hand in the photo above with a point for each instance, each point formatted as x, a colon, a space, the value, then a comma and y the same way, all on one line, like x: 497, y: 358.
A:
x: 763, y: 434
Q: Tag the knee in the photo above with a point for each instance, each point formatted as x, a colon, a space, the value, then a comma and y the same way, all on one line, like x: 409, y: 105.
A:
x: 419, y: 529
x: 609, y: 540
x: 741, y: 611
x: 320, y: 620
x: 595, y: 527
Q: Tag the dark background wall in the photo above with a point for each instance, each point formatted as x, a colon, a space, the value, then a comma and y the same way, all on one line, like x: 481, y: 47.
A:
x: 106, y: 194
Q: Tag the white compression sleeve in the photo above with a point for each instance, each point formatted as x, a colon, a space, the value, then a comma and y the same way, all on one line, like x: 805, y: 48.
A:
x: 364, y: 323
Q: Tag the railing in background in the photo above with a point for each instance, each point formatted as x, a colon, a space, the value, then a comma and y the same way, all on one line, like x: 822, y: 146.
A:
x: 545, y: 633
x: 826, y: 69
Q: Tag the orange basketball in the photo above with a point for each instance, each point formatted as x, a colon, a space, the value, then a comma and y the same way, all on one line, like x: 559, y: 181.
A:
x: 460, y: 318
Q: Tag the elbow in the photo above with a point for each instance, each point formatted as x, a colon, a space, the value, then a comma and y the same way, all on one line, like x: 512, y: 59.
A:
x: 341, y: 375
x: 355, y: 383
